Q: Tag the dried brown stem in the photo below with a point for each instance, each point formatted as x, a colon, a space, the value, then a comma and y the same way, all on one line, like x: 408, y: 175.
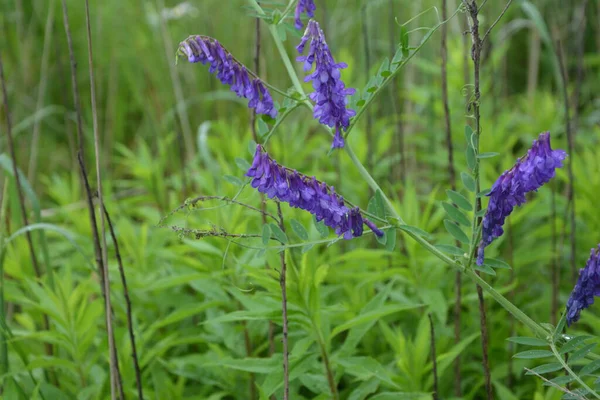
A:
x: 283, y: 284
x: 433, y: 359
x: 115, y: 373
x: 511, y: 297
x: 134, y: 356
x: 473, y: 11
x: 571, y: 151
x: 109, y: 323
x: 41, y: 91
x: 581, y: 24
x: 263, y: 209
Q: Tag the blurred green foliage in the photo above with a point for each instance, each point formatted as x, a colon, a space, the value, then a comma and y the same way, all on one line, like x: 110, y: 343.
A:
x: 201, y: 308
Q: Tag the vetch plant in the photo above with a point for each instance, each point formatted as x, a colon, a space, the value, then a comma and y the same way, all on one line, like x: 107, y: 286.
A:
x: 338, y: 116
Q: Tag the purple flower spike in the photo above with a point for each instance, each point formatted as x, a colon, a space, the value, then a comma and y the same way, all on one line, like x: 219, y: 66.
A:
x: 587, y: 287
x: 330, y: 91
x: 230, y: 72
x: 527, y: 175
x: 307, y: 6
x: 308, y: 194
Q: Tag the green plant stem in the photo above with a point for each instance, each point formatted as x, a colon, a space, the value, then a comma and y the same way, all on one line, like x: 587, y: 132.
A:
x: 503, y: 301
x: 570, y: 371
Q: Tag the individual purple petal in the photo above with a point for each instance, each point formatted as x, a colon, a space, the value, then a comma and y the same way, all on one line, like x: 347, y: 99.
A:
x: 330, y: 92
x: 230, y: 72
x: 301, y: 191
x: 530, y: 173
x: 587, y: 287
x: 307, y: 6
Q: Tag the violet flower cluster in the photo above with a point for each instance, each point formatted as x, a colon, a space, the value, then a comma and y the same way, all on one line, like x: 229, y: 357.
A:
x: 330, y: 91
x: 307, y: 6
x: 230, y: 72
x: 587, y: 287
x: 530, y: 173
x: 308, y: 194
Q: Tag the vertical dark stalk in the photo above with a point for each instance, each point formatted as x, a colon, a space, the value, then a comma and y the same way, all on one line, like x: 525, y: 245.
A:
x: 41, y: 91
x: 511, y: 297
x: 555, y: 270
x: 484, y: 344
x: 452, y: 178
x: 570, y: 147
x: 581, y: 26
x: 477, y: 44
x: 103, y: 248
x: 106, y: 281
x: 367, y: 50
x: 263, y: 208
x: 283, y: 283
x: 134, y: 356
x: 433, y: 359
x: 115, y: 373
x: 398, y: 141
x: 15, y: 170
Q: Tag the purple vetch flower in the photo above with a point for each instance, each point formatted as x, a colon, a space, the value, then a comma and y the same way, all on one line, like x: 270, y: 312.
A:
x: 230, y: 72
x: 587, y: 287
x: 530, y: 173
x: 309, y: 194
x: 330, y: 92
x: 307, y: 6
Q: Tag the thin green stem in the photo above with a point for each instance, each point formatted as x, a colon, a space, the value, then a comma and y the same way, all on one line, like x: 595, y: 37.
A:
x: 570, y: 371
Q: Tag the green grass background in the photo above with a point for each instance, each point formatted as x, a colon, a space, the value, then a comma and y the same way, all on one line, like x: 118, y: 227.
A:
x: 201, y: 308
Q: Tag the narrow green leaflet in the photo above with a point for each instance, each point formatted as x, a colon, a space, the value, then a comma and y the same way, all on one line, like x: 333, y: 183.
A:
x: 573, y: 343
x: 252, y: 147
x: 456, y: 214
x: 266, y: 234
x: 487, y: 155
x: 299, y: 229
x: 384, y: 69
x: 263, y: 128
x: 321, y: 227
x: 545, y: 368
x: 278, y: 233
x: 379, y: 204
x: 485, y: 269
x: 456, y: 232
x: 234, y: 180
x: 468, y: 181
x: 449, y: 249
x: 414, y: 230
x: 533, y: 354
x: 590, y: 368
x: 560, y: 381
x: 390, y: 243
x: 581, y: 353
x: 527, y: 341
x: 470, y: 153
x: 460, y: 200
x: 468, y: 135
x: 242, y: 164
x: 495, y: 263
